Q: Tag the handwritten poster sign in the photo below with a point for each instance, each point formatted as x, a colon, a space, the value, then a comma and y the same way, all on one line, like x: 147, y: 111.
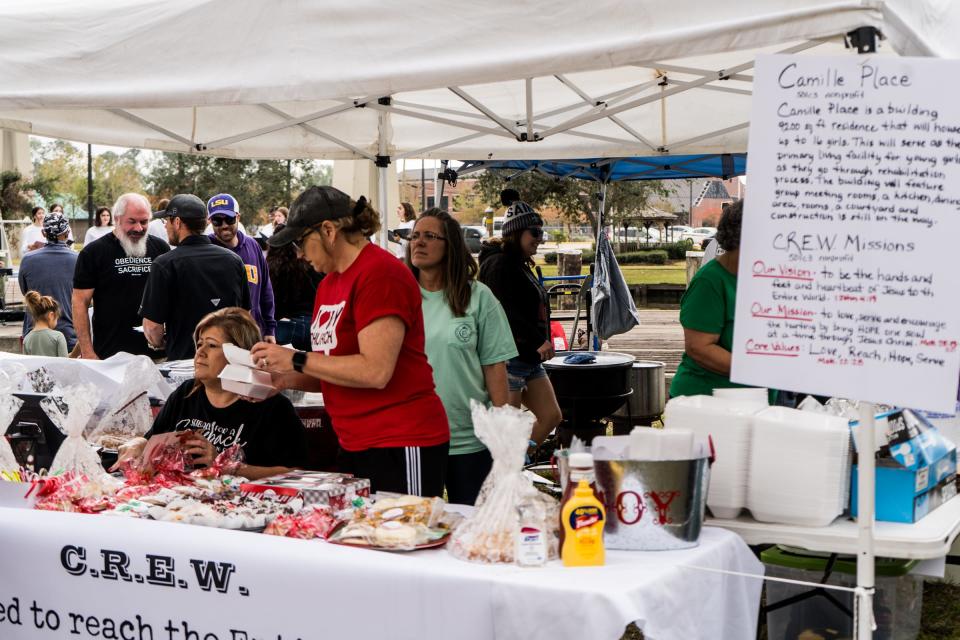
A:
x: 848, y: 282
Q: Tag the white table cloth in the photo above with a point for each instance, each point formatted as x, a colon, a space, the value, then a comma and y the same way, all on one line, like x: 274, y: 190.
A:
x: 228, y: 585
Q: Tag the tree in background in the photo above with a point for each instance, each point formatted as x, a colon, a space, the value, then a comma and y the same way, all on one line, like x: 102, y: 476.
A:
x: 59, y: 172
x: 577, y: 201
x: 258, y: 185
x: 14, y: 202
x: 114, y: 175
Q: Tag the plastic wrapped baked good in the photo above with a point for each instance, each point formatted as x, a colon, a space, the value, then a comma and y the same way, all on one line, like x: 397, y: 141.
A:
x: 488, y: 534
x: 70, y: 410
x: 10, y: 377
x: 399, y: 523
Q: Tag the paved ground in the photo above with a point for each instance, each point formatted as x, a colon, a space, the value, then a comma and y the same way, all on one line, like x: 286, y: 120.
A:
x: 10, y: 337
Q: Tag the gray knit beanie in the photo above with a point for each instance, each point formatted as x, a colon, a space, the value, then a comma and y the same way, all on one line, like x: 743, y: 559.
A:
x: 520, y: 216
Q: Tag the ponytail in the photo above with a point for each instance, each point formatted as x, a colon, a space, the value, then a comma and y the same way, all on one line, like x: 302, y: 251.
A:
x: 39, y: 306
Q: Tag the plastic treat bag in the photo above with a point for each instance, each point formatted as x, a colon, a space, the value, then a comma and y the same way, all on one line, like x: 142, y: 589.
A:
x: 128, y: 415
x: 70, y: 410
x: 488, y: 534
x: 10, y: 377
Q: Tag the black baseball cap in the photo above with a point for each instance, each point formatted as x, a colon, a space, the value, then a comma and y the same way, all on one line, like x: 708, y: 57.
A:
x: 184, y: 205
x: 312, y: 207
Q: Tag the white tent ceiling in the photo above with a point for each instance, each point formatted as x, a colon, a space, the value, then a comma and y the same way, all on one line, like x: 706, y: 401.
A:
x: 283, y: 79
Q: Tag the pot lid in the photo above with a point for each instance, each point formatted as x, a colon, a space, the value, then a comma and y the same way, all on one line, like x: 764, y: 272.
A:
x: 605, y: 360
x: 648, y: 364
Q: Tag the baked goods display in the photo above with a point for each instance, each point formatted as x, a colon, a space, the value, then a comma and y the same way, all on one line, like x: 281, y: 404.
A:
x: 398, y: 523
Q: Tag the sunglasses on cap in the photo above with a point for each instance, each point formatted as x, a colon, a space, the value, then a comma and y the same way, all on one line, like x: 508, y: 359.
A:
x: 219, y: 221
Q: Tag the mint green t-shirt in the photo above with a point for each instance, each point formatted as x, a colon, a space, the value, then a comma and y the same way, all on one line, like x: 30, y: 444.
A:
x: 457, y: 349
x: 45, y: 342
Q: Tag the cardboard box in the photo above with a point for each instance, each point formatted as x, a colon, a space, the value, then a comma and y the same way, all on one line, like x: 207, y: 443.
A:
x: 336, y: 490
x: 916, y: 469
x: 241, y: 377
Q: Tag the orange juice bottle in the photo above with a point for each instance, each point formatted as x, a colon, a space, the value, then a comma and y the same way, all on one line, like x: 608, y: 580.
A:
x: 583, y: 519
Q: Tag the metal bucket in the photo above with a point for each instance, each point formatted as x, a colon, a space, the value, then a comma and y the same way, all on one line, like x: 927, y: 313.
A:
x: 653, y: 506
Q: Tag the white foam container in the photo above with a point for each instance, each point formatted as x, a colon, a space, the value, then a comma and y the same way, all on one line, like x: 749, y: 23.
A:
x: 729, y: 424
x: 799, y: 467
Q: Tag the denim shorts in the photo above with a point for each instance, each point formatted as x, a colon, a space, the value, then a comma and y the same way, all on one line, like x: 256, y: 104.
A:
x: 519, y: 373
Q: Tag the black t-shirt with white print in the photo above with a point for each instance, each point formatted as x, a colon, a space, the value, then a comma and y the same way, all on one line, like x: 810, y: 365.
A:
x: 269, y: 432
x: 117, y: 281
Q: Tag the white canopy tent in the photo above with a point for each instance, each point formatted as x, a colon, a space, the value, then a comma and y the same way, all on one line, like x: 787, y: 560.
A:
x: 530, y: 80
x: 378, y: 80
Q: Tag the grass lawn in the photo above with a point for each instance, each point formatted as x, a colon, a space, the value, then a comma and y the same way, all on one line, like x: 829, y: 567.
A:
x: 670, y: 273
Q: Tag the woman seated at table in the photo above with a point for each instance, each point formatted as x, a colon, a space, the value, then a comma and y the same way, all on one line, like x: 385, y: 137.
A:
x: 269, y: 432
x: 706, y: 313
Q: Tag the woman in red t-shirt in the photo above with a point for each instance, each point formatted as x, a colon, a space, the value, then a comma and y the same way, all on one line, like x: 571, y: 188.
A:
x: 368, y: 348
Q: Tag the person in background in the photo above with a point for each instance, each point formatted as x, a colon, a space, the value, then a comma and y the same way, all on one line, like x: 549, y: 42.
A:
x: 49, y: 271
x: 111, y: 274
x: 505, y: 267
x: 157, y: 228
x: 278, y: 218
x: 407, y: 215
x: 32, y: 236
x: 707, y: 311
x: 103, y: 224
x: 294, y: 290
x: 468, y: 343
x: 212, y: 419
x: 186, y: 284
x: 223, y: 212
x: 44, y: 339
x: 368, y: 348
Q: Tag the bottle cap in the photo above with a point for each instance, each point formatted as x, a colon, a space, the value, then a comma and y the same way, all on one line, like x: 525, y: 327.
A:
x: 581, y: 460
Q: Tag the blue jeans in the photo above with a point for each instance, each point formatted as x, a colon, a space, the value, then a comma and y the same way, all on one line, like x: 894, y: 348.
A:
x: 295, y: 331
x: 519, y: 373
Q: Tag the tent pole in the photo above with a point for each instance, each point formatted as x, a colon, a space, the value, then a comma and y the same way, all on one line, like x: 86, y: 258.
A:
x: 866, y: 495
x: 383, y: 163
x: 438, y: 185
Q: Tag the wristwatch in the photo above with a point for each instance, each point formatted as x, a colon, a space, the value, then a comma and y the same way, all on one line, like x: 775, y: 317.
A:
x: 299, y: 361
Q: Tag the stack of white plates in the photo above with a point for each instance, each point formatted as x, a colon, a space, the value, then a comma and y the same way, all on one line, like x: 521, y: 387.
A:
x: 753, y: 398
x: 799, y: 467
x: 728, y: 423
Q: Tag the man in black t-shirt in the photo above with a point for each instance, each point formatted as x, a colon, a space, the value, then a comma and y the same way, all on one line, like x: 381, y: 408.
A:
x: 112, y: 272
x: 187, y: 284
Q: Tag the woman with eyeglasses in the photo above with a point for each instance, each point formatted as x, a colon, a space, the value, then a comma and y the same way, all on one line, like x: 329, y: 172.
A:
x: 506, y: 267
x: 468, y: 343
x: 367, y: 348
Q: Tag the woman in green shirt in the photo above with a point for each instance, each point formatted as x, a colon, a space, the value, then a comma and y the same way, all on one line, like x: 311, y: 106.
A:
x: 706, y: 313
x: 468, y: 343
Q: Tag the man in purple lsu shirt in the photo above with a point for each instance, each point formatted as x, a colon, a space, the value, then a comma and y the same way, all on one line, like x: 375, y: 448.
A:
x: 224, y: 214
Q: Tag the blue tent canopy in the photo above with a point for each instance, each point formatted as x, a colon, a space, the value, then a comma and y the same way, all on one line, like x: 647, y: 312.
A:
x: 605, y: 170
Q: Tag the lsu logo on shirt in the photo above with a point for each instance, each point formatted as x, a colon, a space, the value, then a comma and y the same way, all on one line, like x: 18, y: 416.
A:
x: 323, y: 331
x: 253, y: 274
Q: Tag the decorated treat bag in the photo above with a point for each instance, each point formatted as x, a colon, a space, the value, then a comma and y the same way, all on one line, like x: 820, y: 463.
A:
x: 10, y: 378
x: 70, y: 410
x: 489, y: 533
x: 128, y: 415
